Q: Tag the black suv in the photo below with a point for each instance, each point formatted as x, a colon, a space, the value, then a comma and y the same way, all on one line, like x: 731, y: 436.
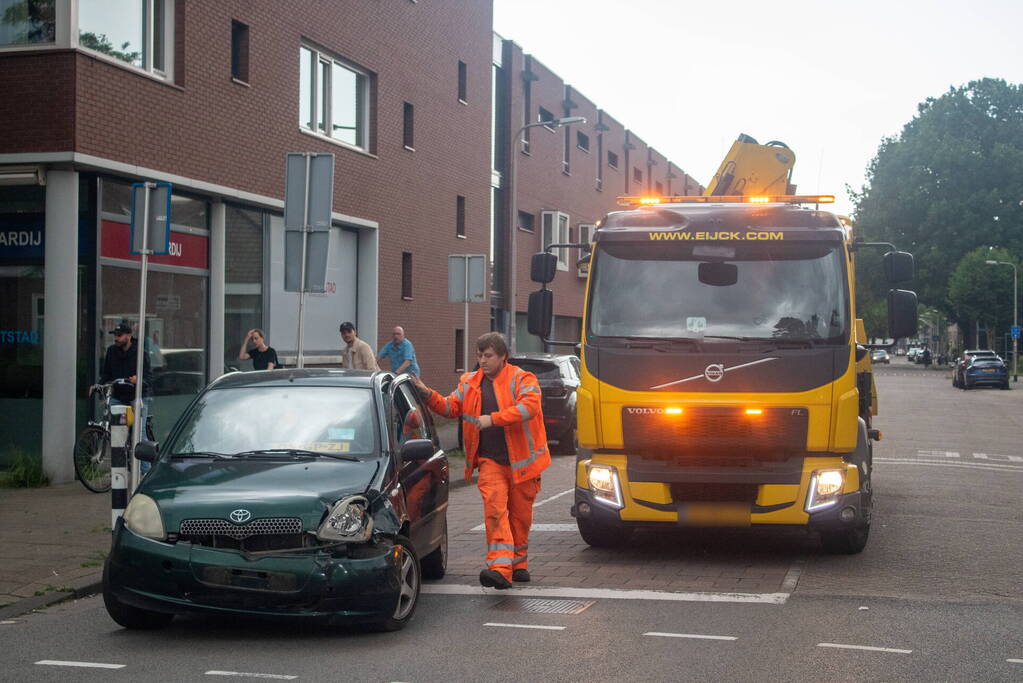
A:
x: 559, y: 378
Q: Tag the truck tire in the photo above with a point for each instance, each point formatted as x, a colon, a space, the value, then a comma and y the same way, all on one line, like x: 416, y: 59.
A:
x: 600, y: 536
x: 853, y: 540
x: 848, y: 542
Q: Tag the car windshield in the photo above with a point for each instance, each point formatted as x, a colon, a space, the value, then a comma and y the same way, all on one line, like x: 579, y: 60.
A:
x: 542, y: 369
x: 785, y: 292
x: 333, y: 421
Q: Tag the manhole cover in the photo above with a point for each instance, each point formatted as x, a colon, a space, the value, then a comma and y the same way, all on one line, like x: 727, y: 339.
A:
x: 538, y: 606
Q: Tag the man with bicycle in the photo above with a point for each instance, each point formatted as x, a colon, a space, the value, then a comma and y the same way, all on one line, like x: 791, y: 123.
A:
x: 121, y: 362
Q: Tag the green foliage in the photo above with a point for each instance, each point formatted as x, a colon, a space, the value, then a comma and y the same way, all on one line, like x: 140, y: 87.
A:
x: 949, y: 183
x: 875, y: 319
x: 101, y: 43
x: 26, y: 470
x: 979, y: 291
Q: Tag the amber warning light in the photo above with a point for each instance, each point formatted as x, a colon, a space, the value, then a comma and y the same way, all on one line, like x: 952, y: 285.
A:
x: 672, y: 411
x: 729, y: 199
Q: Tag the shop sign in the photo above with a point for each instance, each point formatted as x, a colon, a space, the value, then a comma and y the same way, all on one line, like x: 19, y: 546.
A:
x: 186, y: 249
x: 19, y: 337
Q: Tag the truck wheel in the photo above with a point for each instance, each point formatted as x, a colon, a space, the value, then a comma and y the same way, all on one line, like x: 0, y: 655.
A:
x: 602, y: 536
x: 129, y: 616
x: 847, y: 542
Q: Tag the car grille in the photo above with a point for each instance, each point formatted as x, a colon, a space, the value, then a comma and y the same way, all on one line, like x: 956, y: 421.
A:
x: 269, y: 533
x: 722, y: 435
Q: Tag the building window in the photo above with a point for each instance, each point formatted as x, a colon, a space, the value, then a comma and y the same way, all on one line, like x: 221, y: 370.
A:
x: 243, y: 290
x: 612, y: 159
x: 582, y: 141
x: 545, y: 115
x: 239, y: 51
x: 585, y: 237
x: 333, y: 97
x: 463, y: 82
x: 408, y: 127
x: 459, y: 350
x: 27, y: 22
x: 460, y: 216
x: 406, y: 276
x: 136, y: 32
x: 555, y: 231
x: 659, y: 187
x: 527, y: 221
x: 637, y: 175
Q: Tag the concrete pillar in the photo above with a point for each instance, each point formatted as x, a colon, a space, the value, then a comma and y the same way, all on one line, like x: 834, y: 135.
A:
x: 218, y: 275
x: 368, y: 301
x: 60, y: 326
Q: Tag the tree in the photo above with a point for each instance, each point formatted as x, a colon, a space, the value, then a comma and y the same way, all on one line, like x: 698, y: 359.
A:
x: 981, y: 292
x: 950, y: 182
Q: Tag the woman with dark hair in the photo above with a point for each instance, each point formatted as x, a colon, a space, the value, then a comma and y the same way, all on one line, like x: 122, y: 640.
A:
x: 263, y: 357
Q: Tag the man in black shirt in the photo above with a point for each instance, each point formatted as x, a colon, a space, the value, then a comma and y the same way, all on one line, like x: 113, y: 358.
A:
x: 121, y: 362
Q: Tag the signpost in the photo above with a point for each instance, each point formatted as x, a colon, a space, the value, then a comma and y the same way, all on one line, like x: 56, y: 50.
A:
x: 467, y: 284
x: 150, y: 234
x: 308, y: 203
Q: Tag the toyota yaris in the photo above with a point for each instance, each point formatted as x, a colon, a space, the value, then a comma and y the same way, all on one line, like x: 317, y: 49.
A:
x: 314, y: 494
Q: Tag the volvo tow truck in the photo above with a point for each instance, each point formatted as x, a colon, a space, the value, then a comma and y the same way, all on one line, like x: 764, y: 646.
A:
x: 725, y: 376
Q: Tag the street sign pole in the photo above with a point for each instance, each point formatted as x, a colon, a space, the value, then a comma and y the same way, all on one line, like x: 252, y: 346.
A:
x: 140, y: 351
x: 305, y: 248
x: 465, y: 325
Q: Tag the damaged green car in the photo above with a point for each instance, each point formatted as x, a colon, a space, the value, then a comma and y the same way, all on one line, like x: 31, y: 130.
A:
x: 309, y: 493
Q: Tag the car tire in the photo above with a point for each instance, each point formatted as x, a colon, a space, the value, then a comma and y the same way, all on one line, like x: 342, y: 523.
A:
x: 410, y: 582
x: 1006, y: 385
x: 568, y: 444
x: 600, y: 536
x: 435, y: 565
x: 847, y: 542
x: 129, y: 616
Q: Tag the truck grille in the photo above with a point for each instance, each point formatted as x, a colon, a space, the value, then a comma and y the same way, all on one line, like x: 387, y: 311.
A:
x: 268, y: 533
x: 715, y: 434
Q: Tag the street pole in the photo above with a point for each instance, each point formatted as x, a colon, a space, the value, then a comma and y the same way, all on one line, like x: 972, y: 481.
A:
x: 1015, y: 314
x: 300, y: 362
x: 138, y: 429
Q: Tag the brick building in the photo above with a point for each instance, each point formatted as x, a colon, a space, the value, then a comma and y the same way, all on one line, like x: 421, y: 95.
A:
x: 211, y: 96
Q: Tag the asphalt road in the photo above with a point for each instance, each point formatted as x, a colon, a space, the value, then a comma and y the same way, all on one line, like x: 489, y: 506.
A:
x: 935, y: 596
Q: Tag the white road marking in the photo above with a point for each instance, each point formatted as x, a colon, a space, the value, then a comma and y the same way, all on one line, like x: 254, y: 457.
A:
x: 608, y: 594
x: 995, y: 456
x: 865, y: 647
x: 555, y: 496
x: 282, y: 677
x: 5, y: 622
x: 938, y: 454
x: 1014, y: 661
x: 544, y: 628
x: 991, y: 467
x: 87, y: 665
x: 696, y: 636
x: 539, y: 527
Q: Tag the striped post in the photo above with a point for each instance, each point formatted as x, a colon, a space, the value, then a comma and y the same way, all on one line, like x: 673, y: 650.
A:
x: 118, y: 462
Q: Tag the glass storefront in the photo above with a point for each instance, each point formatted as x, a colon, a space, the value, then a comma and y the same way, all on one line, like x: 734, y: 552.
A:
x: 243, y: 281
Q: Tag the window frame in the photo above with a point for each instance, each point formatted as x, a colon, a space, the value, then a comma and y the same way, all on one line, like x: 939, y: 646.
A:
x: 579, y: 138
x: 147, y: 68
x: 463, y: 82
x: 408, y: 127
x: 540, y: 111
x: 588, y: 229
x: 239, y: 51
x: 613, y: 164
x: 322, y: 95
x: 532, y: 221
x: 460, y: 217
x: 560, y: 232
x: 406, y: 275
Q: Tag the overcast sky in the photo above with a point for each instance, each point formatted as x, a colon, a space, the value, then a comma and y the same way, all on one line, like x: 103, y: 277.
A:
x: 828, y: 78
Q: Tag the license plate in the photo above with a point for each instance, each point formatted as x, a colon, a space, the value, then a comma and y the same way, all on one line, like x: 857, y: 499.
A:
x: 989, y: 369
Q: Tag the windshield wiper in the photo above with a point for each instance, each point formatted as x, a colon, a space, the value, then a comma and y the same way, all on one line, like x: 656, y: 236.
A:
x: 800, y: 342
x: 298, y: 453
x: 202, y: 454
x: 654, y: 342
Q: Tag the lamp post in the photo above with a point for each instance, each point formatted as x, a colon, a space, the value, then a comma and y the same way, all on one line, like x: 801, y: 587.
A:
x: 1015, y: 315
x: 513, y: 223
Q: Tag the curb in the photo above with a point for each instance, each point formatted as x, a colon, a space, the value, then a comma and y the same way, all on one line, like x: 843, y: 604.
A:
x: 82, y: 587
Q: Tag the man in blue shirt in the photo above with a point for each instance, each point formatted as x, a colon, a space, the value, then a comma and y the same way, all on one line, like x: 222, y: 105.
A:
x: 400, y: 352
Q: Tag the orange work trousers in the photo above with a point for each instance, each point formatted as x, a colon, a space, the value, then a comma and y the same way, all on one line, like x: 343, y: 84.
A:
x: 508, y: 513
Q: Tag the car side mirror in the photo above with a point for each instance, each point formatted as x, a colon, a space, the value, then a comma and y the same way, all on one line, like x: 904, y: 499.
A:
x: 902, y: 315
x: 543, y: 267
x: 540, y: 313
x: 415, y: 450
x: 898, y: 267
x: 147, y: 451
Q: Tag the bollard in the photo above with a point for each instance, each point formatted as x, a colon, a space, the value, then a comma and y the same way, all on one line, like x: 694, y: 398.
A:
x: 119, y: 418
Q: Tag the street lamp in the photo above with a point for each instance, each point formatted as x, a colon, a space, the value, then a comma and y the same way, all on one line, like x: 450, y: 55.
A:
x: 1015, y: 318
x: 514, y: 212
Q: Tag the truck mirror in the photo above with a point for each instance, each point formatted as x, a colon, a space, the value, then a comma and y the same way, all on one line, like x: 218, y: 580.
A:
x: 543, y: 267
x: 901, y: 314
x: 541, y: 311
x: 898, y: 266
x: 717, y: 274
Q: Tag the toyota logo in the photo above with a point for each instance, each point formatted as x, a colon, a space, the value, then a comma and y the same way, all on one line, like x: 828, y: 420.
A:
x: 714, y: 372
x: 240, y: 516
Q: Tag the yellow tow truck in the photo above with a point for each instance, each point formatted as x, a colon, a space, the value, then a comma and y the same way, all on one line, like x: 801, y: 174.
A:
x: 726, y: 379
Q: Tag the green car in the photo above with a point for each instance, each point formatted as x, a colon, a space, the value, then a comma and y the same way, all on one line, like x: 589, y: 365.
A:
x: 309, y: 493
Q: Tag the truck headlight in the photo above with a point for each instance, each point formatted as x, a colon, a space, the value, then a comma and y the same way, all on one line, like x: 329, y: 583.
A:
x: 604, y: 483
x: 347, y: 521
x: 142, y: 516
x: 825, y: 488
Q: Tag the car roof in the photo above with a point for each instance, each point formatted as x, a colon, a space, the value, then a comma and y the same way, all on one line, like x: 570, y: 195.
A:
x: 974, y: 352
x: 318, y: 377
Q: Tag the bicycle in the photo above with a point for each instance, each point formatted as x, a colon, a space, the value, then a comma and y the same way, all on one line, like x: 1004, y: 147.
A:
x: 92, y: 448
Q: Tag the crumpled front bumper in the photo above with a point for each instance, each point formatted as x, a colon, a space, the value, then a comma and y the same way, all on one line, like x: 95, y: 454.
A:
x: 328, y: 585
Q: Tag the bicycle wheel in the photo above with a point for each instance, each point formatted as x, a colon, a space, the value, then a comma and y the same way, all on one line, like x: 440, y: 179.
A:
x: 92, y: 459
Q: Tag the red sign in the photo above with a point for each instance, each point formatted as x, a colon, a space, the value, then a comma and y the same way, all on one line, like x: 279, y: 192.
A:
x: 186, y: 249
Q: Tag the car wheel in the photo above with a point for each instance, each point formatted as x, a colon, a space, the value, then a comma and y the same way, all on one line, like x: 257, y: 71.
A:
x: 569, y: 443
x: 409, y: 584
x: 129, y: 616
x: 966, y: 385
x: 847, y: 542
x: 436, y: 563
x: 602, y: 536
x: 1006, y: 385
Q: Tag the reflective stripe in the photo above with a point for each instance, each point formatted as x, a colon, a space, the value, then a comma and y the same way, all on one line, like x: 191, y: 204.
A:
x: 520, y: 560
x: 500, y: 560
x: 531, y: 459
x: 524, y: 412
x: 501, y: 546
x: 447, y: 407
x: 530, y: 390
x: 521, y: 547
x: 471, y: 419
x: 459, y: 394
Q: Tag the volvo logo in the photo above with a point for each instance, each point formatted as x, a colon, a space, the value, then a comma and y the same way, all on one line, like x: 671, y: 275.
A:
x: 714, y: 372
x: 645, y: 411
x: 240, y: 516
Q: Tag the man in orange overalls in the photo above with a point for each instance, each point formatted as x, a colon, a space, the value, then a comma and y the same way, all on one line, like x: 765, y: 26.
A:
x: 502, y: 423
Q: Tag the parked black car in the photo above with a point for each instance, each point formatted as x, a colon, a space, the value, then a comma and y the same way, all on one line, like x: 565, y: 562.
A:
x: 559, y: 378
x: 313, y: 494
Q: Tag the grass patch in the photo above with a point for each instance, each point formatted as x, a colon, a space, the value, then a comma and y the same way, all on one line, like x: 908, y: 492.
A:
x: 55, y: 589
x: 26, y: 470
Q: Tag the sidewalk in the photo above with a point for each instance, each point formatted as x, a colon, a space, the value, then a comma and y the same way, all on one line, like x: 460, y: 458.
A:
x: 56, y: 538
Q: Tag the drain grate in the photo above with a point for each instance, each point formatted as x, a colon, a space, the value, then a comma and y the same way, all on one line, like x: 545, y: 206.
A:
x: 538, y: 606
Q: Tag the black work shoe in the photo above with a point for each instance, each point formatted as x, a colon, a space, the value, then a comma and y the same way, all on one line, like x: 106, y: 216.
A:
x: 520, y: 575
x: 490, y: 578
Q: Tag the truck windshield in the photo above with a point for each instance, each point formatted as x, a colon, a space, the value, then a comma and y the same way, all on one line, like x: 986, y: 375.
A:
x: 791, y: 292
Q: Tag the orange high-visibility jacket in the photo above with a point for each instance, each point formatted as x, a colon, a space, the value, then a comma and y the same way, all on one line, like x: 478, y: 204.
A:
x: 518, y: 397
